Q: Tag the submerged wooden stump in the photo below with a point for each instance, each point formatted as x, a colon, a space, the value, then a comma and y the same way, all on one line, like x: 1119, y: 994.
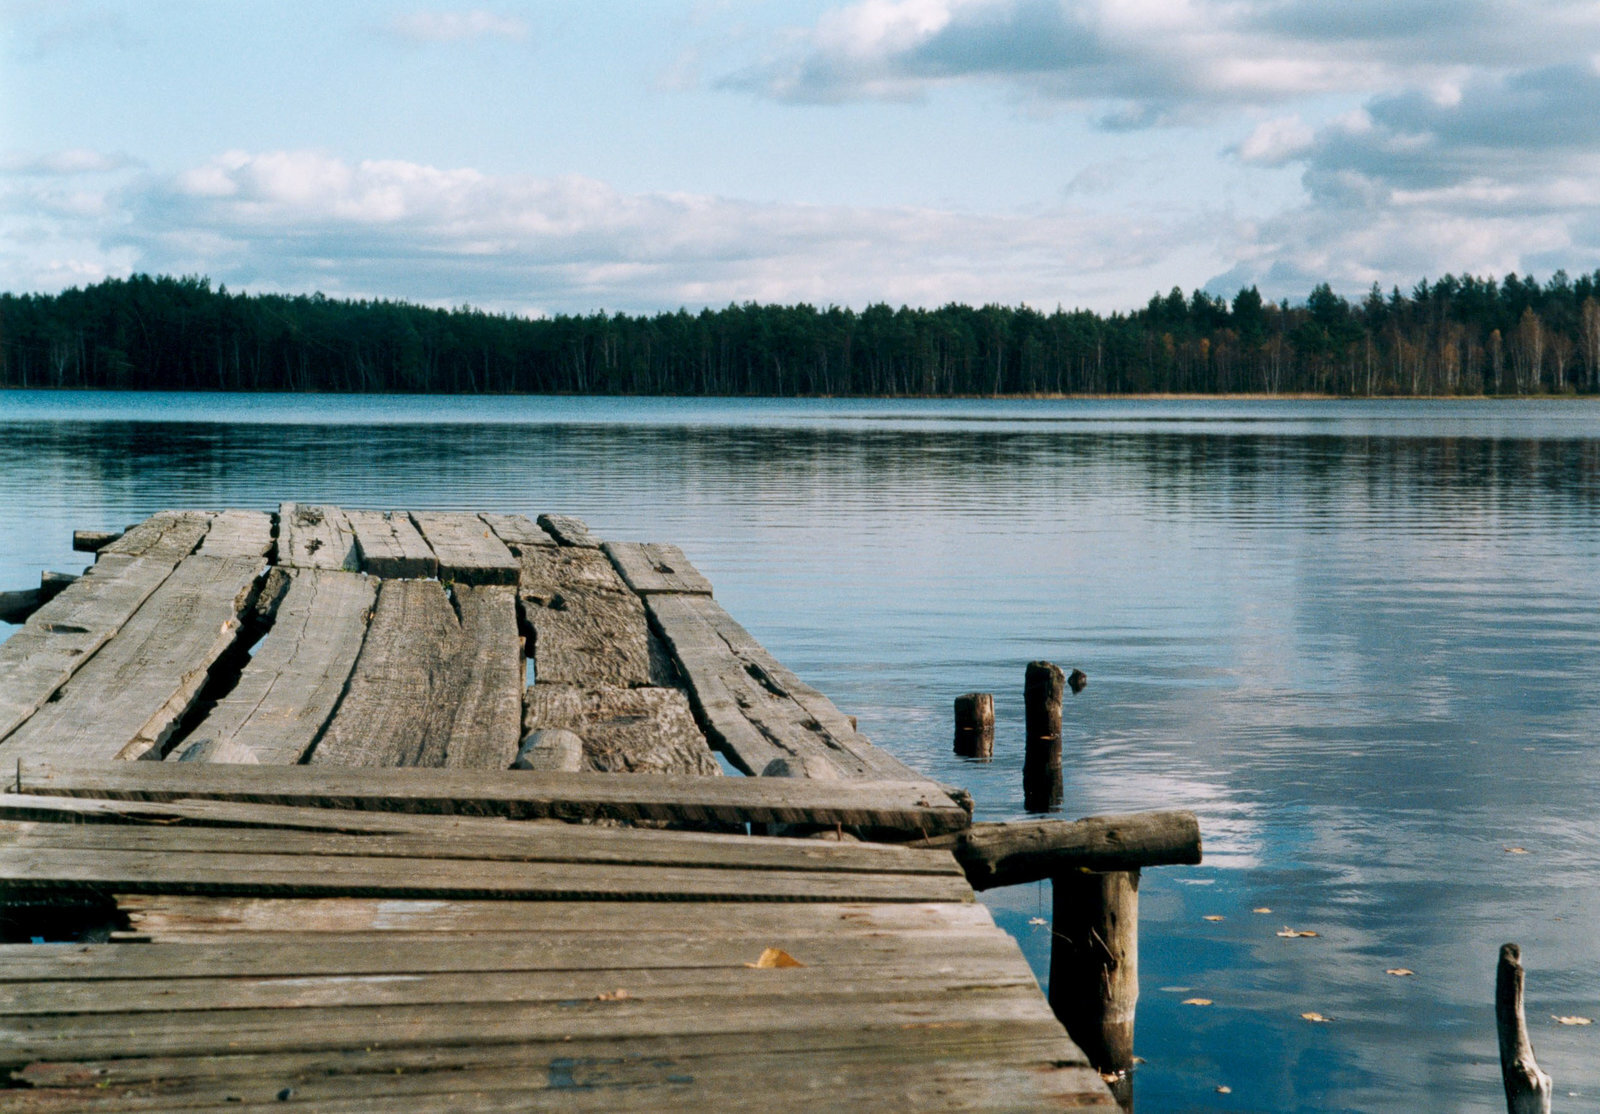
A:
x: 1043, y: 687
x: 975, y: 725
x: 1527, y: 1087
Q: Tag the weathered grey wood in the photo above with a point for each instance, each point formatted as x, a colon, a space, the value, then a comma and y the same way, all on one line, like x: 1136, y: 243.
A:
x: 1022, y: 1077
x: 547, y: 843
x: 162, y: 1033
x: 649, y: 568
x: 637, y: 730
x: 918, y: 806
x: 1011, y: 854
x: 15, y: 607
x: 36, y: 870
x: 435, y: 684
x: 975, y: 725
x: 1094, y: 962
x: 569, y: 531
x: 316, y: 537
x: 527, y: 1065
x: 589, y: 629
x: 127, y: 700
x: 750, y: 706
x: 1043, y: 686
x: 863, y: 1065
x: 238, y: 534
x: 168, y: 535
x: 551, y: 748
x: 390, y: 545
x: 517, y: 531
x: 93, y: 541
x: 61, y: 636
x: 468, y: 551
x: 1527, y: 1086
x: 405, y: 987
x: 289, y: 689
x: 52, y: 584
x: 576, y: 949
x: 177, y: 917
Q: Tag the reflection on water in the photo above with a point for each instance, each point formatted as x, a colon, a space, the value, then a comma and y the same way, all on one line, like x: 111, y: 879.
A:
x: 1357, y: 639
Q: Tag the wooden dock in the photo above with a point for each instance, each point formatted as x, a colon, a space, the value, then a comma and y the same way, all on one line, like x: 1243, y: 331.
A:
x: 261, y: 842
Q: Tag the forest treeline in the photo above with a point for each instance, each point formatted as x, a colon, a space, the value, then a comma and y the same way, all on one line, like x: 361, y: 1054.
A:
x: 1453, y: 336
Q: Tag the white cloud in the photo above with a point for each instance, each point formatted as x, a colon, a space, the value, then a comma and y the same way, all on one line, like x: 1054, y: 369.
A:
x: 299, y: 220
x: 1276, y: 142
x: 452, y: 27
x: 1149, y: 61
x: 64, y: 163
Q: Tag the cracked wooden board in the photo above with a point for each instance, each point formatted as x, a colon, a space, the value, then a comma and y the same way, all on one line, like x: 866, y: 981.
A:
x: 316, y: 537
x: 294, y: 680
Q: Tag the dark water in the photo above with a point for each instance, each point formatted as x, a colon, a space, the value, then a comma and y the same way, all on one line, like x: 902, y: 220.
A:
x: 1359, y: 640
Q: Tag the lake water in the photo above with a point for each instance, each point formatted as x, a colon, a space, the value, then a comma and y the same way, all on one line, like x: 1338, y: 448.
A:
x: 1358, y: 639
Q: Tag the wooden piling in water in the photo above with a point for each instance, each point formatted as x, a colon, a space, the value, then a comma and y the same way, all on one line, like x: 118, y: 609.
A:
x: 1094, y: 962
x: 1527, y: 1087
x: 1043, y: 686
x: 975, y: 725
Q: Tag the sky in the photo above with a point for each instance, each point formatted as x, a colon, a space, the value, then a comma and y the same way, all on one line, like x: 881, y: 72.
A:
x: 539, y: 158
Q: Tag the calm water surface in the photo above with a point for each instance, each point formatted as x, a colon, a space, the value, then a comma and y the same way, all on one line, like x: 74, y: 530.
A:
x: 1358, y: 639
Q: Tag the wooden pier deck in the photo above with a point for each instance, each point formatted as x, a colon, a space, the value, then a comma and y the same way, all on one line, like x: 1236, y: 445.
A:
x: 259, y: 811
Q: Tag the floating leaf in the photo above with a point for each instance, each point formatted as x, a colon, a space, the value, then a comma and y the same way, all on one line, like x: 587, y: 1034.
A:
x: 1400, y: 972
x: 1295, y: 933
x: 1574, y: 1020
x: 616, y: 995
x: 1197, y: 1001
x: 1037, y: 920
x: 1213, y: 917
x: 1224, y: 1090
x: 1314, y: 1016
x: 776, y: 957
x: 1261, y: 909
x: 1516, y: 850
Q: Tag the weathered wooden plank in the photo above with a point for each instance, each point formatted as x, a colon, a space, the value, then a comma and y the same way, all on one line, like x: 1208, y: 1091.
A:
x: 390, y: 545
x: 577, y: 949
x: 589, y: 629
x: 1029, y: 851
x: 127, y: 699
x: 536, y: 842
x: 289, y: 689
x: 649, y: 568
x: 627, y: 730
x: 406, y: 985
x: 435, y: 684
x: 62, y: 635
x: 569, y: 531
x: 15, y: 607
x: 751, y: 707
x: 527, y: 1065
x: 955, y: 1066
x: 80, y: 1036
x: 918, y: 806
x: 177, y: 916
x: 468, y: 551
x: 53, y: 870
x: 517, y: 531
x: 316, y: 537
x: 93, y: 541
x: 238, y: 534
x: 166, y: 535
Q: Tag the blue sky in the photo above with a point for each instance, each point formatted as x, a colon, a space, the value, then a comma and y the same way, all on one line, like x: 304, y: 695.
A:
x: 547, y: 157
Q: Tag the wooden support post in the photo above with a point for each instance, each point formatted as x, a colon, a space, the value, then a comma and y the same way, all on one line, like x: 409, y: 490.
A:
x: 1042, y: 690
x: 93, y: 541
x: 1094, y: 962
x: 1527, y: 1088
x: 975, y: 725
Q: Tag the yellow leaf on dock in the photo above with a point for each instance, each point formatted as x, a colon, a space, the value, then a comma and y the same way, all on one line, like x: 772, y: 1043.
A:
x: 776, y: 957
